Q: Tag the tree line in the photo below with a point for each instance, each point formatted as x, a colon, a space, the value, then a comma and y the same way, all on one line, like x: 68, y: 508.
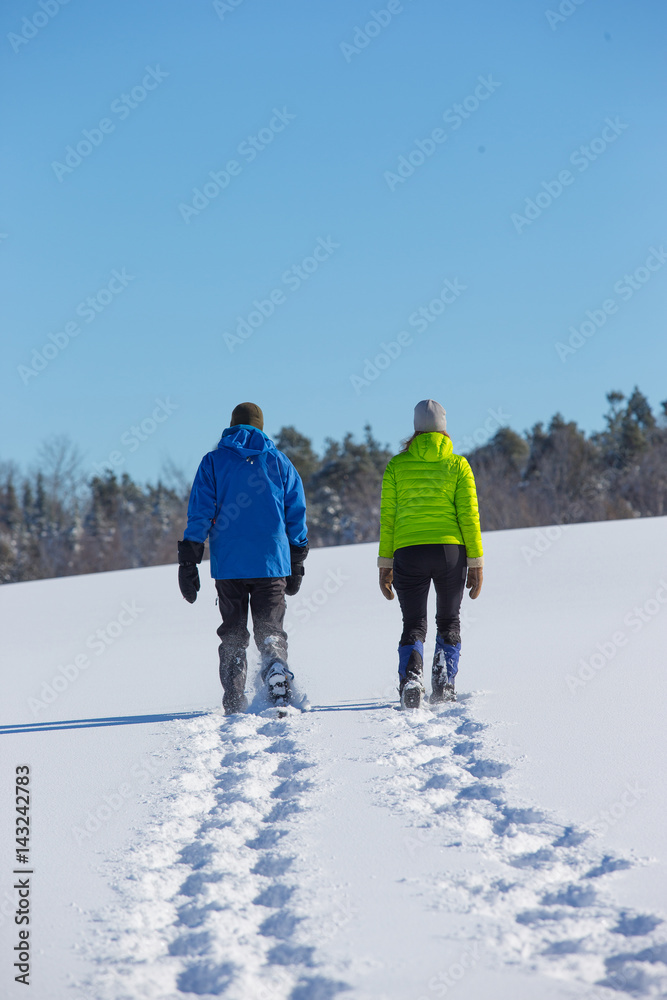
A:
x: 54, y: 521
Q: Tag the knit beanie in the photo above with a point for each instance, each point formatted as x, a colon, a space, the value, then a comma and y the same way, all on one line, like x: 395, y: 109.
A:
x: 430, y: 416
x: 247, y: 413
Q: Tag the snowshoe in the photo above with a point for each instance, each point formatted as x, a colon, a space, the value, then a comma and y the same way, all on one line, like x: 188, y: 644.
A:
x: 412, y: 693
x: 278, y: 687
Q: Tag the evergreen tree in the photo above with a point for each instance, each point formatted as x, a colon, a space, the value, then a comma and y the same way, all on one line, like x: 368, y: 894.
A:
x: 345, y: 491
x: 629, y: 429
x: 549, y: 475
x: 299, y: 450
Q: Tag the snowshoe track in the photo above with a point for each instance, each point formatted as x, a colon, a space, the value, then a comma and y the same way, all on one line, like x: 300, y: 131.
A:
x: 209, y: 904
x: 221, y: 894
x: 542, y: 898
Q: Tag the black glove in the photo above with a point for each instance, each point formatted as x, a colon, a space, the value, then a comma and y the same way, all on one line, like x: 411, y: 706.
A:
x: 189, y: 554
x: 295, y: 579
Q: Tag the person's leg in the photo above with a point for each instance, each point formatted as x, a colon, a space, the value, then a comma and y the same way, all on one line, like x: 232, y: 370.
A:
x: 267, y: 606
x: 412, y: 581
x: 234, y: 639
x: 449, y: 580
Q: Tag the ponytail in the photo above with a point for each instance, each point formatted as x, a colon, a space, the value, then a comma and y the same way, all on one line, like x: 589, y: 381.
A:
x: 408, y: 441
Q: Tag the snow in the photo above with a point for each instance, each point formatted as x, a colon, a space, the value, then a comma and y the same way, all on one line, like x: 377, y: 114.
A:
x: 511, y: 845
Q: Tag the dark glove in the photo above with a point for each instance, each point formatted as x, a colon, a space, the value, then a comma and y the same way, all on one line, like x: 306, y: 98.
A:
x: 295, y: 579
x: 188, y: 581
x: 189, y: 554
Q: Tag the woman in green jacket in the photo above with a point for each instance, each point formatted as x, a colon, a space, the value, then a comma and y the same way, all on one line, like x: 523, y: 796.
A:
x: 429, y: 530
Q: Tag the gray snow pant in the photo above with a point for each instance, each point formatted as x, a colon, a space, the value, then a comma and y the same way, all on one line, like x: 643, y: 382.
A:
x: 266, y: 598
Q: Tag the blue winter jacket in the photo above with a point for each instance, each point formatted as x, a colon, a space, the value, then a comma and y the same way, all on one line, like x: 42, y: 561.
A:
x: 248, y: 498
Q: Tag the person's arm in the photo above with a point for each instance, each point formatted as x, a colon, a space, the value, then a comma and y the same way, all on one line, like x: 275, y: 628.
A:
x: 387, y: 521
x: 387, y: 518
x: 202, y: 505
x: 297, y: 531
x: 201, y: 515
x: 467, y: 514
x: 295, y: 508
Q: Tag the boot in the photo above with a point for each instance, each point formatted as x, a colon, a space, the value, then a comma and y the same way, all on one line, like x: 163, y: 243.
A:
x: 444, y: 670
x: 233, y: 671
x: 410, y: 671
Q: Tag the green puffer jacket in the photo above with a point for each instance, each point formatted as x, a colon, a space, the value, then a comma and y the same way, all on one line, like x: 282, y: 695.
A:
x: 429, y: 498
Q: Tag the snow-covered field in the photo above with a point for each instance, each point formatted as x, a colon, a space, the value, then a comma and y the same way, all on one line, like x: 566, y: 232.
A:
x: 510, y: 846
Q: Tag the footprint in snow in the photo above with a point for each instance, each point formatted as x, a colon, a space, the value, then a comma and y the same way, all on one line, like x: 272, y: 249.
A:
x: 552, y: 911
x: 241, y: 855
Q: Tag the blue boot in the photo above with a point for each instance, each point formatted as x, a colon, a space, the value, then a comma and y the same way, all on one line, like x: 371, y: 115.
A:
x: 445, y: 669
x: 410, y: 671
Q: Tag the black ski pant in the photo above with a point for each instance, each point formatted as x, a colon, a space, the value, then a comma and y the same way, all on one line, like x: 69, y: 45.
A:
x: 415, y: 566
x: 266, y: 599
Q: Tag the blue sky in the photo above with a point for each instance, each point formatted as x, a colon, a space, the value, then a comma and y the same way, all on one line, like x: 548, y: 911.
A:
x: 305, y: 121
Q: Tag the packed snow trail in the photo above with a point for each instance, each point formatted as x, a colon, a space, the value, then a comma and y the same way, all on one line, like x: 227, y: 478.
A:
x: 354, y: 850
x: 539, y: 897
x: 209, y: 902
x: 242, y: 885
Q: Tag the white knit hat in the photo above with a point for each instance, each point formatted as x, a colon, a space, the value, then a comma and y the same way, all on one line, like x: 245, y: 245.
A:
x: 430, y: 416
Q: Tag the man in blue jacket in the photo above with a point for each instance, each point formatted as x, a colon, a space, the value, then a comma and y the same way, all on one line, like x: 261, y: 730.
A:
x: 248, y: 499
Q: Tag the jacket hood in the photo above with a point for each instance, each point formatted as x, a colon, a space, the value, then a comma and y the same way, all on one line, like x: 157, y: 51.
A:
x: 245, y: 440
x: 431, y: 447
